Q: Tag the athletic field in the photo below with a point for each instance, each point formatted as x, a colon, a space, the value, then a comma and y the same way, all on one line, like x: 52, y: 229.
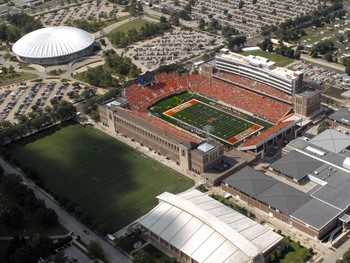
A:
x: 111, y: 181
x: 208, y: 119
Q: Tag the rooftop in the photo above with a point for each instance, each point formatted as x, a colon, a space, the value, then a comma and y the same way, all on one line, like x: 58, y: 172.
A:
x: 207, y: 230
x: 342, y: 115
x: 259, y: 62
x: 296, y: 165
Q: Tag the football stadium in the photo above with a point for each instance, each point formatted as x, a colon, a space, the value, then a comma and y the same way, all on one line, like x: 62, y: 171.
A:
x: 198, y: 120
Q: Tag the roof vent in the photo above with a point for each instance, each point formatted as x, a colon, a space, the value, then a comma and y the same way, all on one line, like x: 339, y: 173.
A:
x: 346, y: 163
x: 315, y: 151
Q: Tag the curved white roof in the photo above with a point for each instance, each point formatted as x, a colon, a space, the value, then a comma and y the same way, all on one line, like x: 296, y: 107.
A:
x: 207, y: 230
x: 52, y: 42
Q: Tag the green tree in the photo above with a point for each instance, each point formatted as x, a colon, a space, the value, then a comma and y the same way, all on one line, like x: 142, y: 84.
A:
x: 240, y: 4
x: 59, y: 258
x: 95, y: 250
x: 328, y: 57
x: 102, y: 229
x: 46, y: 217
x: 322, y: 127
x: 141, y: 257
x: 13, y: 218
x: 347, y: 70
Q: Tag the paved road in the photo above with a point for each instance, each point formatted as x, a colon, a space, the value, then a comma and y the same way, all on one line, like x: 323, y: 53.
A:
x: 338, y: 253
x: 69, y: 222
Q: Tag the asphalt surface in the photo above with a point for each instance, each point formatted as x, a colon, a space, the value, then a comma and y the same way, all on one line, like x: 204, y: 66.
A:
x: 69, y: 222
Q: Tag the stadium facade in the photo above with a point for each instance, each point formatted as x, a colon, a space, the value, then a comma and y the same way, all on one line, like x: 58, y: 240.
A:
x: 197, y: 228
x: 324, y: 210
x: 193, y: 153
x: 259, y: 69
x: 54, y: 45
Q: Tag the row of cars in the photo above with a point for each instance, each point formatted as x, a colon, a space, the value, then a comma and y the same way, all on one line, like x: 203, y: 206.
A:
x: 14, y: 98
x: 20, y: 100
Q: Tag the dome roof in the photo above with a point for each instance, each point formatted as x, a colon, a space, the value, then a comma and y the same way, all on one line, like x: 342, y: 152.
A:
x: 52, y: 42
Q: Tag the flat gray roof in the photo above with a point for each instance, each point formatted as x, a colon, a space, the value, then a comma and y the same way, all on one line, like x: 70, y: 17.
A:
x: 336, y: 190
x: 268, y: 190
x: 296, y: 165
x: 331, y: 140
x: 284, y: 197
x: 250, y: 181
x: 342, y: 116
x: 329, y: 156
x: 315, y: 213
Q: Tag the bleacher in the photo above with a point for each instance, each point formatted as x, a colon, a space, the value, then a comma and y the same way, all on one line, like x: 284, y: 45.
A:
x: 254, y: 86
x: 266, y: 134
x: 169, y: 83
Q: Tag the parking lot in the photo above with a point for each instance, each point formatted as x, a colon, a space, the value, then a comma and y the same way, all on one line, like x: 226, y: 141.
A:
x: 173, y: 47
x: 73, y: 254
x: 90, y: 11
x: 321, y: 75
x: 248, y: 18
x: 19, y: 99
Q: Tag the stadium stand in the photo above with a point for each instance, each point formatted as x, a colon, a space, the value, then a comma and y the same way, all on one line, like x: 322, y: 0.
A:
x: 169, y: 83
x: 254, y: 86
x: 266, y: 134
x: 167, y: 128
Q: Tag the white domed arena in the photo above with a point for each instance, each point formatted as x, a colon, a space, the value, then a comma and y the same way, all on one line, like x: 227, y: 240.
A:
x: 54, y: 45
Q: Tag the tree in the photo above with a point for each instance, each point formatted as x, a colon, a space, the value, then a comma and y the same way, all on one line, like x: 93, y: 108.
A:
x: 141, y: 257
x: 59, y: 258
x: 240, y: 4
x: 163, y: 19
x: 103, y: 42
x: 102, y: 229
x: 345, y: 257
x: 347, y: 70
x: 13, y: 218
x: 95, y: 250
x: 46, y: 217
x: 328, y: 57
x: 201, y: 24
x: 322, y: 127
x: 2, y: 171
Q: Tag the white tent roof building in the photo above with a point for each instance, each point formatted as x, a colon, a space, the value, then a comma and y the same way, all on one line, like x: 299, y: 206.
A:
x: 54, y: 45
x: 200, y: 229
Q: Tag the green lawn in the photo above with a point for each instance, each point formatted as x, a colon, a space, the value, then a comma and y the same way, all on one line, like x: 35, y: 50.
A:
x: 157, y: 255
x: 30, y: 227
x: 294, y: 253
x: 281, y: 61
x: 115, y: 20
x: 225, y: 125
x: 136, y: 23
x: 111, y: 181
x: 18, y: 76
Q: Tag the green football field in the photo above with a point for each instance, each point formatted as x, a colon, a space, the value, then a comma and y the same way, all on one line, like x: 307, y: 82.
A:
x: 225, y: 126
x: 111, y: 181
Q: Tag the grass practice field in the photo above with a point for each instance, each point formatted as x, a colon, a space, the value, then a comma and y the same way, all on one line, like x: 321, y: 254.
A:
x: 111, y: 181
x: 226, y: 126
